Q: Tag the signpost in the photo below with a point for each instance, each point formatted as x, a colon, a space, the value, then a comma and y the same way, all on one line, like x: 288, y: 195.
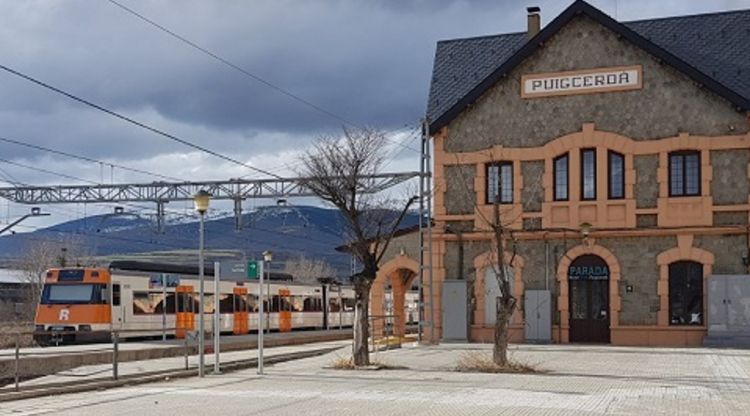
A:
x: 255, y: 271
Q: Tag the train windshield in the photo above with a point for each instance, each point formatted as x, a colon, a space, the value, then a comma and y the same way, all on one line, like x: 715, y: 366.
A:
x: 72, y: 294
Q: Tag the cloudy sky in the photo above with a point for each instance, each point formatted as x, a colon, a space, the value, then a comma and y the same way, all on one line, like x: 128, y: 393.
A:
x: 361, y: 62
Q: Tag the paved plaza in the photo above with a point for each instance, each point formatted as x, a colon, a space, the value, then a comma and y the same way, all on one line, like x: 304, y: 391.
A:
x: 580, y: 380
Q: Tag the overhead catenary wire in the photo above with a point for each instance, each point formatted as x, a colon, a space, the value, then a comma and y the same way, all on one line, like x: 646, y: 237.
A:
x: 238, y: 68
x: 87, y: 159
x: 135, y: 122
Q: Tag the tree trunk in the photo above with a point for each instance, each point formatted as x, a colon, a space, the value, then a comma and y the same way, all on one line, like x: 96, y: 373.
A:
x: 503, y: 313
x: 360, y: 351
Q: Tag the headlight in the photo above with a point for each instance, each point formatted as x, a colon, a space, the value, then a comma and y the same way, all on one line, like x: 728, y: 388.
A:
x: 84, y: 327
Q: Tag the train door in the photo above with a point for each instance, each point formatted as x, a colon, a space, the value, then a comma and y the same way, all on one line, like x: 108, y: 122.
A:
x: 115, y: 301
x: 285, y: 311
x: 185, y: 313
x: 241, y: 325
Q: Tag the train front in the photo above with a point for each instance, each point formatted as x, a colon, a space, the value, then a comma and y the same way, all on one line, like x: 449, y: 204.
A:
x: 74, y: 307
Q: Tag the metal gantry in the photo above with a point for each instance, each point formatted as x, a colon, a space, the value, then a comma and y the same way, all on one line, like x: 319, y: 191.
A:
x: 425, y: 239
x: 160, y: 193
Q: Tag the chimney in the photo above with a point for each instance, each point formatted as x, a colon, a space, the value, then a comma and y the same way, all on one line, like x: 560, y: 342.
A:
x: 534, y: 21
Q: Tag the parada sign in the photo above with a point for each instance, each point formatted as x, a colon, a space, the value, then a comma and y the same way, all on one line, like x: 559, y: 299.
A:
x: 582, y: 82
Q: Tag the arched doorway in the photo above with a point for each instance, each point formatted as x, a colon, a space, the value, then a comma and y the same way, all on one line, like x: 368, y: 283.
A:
x: 588, y: 285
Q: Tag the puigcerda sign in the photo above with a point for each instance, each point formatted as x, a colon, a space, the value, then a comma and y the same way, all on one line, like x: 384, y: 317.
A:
x: 582, y: 82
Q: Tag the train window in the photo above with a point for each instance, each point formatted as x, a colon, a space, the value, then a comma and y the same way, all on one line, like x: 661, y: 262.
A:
x: 225, y: 304
x: 349, y: 304
x: 334, y: 305
x: 313, y: 304
x: 116, y: 295
x: 252, y: 302
x: 73, y: 294
x: 298, y: 303
x: 208, y: 303
x: 152, y: 303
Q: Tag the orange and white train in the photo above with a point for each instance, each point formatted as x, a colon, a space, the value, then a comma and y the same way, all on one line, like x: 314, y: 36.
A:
x: 146, y: 299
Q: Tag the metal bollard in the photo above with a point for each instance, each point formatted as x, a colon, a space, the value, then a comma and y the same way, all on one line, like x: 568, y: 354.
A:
x: 115, y: 353
x: 187, y: 364
x: 18, y: 357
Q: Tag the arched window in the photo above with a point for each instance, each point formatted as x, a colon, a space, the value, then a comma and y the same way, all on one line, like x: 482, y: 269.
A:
x: 686, y: 293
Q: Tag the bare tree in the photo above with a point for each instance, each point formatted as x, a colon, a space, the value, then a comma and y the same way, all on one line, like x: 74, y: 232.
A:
x: 42, y: 254
x: 498, y: 224
x: 308, y: 270
x: 339, y: 171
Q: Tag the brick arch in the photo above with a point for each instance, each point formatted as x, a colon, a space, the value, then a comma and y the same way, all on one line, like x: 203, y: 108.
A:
x: 481, y: 263
x: 390, y: 269
x: 683, y: 251
x: 563, y: 301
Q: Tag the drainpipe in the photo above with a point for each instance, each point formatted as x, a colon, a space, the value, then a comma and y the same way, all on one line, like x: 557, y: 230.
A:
x: 546, y: 263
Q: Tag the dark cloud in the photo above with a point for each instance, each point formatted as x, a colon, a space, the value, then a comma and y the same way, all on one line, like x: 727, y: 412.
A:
x: 366, y: 62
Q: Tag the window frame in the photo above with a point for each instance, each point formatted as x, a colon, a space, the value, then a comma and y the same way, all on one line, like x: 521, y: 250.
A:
x: 611, y: 153
x: 582, y: 152
x: 567, y: 177
x: 682, y: 154
x: 499, y: 165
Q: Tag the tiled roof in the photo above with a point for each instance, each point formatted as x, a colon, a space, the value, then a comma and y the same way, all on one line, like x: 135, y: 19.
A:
x: 717, y: 45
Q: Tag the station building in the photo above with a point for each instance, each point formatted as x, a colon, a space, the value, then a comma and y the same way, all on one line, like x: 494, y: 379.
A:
x: 620, y: 155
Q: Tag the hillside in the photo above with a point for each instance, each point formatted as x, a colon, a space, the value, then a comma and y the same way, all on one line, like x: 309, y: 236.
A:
x: 287, y: 231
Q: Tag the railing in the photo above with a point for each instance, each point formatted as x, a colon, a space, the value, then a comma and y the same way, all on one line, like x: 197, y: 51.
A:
x: 20, y: 371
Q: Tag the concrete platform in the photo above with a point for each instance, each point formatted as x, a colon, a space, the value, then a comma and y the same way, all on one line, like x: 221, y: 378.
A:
x: 38, y: 361
x: 580, y: 380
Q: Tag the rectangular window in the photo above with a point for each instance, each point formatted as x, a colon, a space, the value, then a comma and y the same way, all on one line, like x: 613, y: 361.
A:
x: 500, y: 183
x: 616, y: 175
x: 588, y: 174
x: 560, y: 176
x: 115, y: 295
x: 684, y: 173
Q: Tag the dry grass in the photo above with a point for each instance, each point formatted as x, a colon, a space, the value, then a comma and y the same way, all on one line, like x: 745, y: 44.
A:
x: 8, y: 331
x: 481, y: 362
x: 346, y: 363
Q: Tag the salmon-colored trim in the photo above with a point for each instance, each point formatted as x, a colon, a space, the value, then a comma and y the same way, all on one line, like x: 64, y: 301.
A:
x: 589, y: 247
x: 385, y: 273
x: 602, y: 212
x: 683, y: 251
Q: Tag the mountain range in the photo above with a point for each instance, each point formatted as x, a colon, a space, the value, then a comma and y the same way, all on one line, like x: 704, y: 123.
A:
x: 288, y: 231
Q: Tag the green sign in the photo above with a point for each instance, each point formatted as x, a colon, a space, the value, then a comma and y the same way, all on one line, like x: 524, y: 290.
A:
x: 253, y: 269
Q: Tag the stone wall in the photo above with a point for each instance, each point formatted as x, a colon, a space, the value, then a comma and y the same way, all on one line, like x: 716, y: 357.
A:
x: 408, y: 242
x: 460, y: 196
x: 730, y: 184
x: 727, y: 251
x: 646, y: 187
x: 668, y: 103
x: 532, y: 193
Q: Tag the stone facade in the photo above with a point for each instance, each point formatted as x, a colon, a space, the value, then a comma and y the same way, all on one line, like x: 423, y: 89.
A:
x: 730, y: 184
x: 639, y: 233
x: 728, y: 251
x: 646, y: 185
x: 668, y: 104
x: 533, y: 192
x: 459, y: 189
